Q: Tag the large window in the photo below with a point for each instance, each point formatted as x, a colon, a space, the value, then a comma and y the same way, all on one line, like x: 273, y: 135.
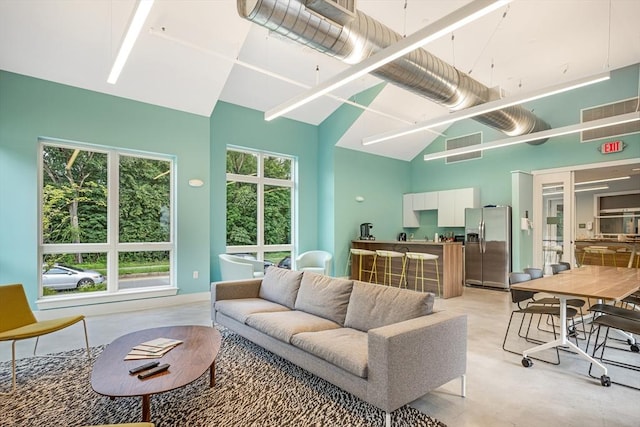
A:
x: 106, y: 221
x: 260, y: 201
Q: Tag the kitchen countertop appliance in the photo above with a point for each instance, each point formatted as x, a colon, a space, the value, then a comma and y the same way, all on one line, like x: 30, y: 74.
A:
x: 488, y: 246
x: 365, y: 231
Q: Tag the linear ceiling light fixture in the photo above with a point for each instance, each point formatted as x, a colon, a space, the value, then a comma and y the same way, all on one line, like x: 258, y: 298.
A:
x: 135, y: 26
x: 597, y: 181
x: 578, y: 190
x: 451, y: 22
x: 550, y: 133
x: 487, y: 108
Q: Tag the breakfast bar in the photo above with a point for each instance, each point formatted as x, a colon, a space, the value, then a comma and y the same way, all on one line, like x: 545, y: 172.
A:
x: 450, y: 263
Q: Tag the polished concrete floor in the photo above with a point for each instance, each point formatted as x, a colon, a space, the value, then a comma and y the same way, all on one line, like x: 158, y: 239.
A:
x: 500, y: 392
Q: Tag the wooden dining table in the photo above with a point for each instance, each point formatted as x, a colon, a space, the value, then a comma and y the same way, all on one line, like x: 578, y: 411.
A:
x: 588, y: 281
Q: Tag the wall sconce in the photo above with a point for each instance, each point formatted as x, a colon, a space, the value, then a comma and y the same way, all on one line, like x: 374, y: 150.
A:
x: 359, y: 199
x: 195, y: 182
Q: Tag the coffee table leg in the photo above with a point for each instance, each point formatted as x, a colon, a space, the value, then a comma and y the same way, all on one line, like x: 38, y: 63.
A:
x: 146, y: 408
x: 212, y: 374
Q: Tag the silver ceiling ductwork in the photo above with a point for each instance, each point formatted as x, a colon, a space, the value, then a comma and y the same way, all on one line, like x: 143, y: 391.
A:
x: 362, y: 36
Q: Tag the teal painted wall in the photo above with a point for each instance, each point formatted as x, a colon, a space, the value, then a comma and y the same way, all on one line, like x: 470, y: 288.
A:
x: 334, y: 181
x: 381, y: 181
x: 235, y: 125
x: 32, y: 108
x: 492, y: 172
x: 329, y: 177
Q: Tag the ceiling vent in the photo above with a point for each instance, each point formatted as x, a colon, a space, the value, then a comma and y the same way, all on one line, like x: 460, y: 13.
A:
x: 464, y: 141
x: 610, y: 110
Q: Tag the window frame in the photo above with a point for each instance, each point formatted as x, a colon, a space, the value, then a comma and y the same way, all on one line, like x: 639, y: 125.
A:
x: 261, y: 181
x: 112, y: 247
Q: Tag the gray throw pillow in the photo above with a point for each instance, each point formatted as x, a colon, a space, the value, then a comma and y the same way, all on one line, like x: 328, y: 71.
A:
x: 280, y: 285
x: 324, y: 296
x: 372, y: 306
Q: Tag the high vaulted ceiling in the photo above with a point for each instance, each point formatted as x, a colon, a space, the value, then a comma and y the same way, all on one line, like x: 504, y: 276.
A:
x: 192, y: 53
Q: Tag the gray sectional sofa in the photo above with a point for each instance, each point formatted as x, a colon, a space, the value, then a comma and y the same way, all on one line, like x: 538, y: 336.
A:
x: 384, y: 345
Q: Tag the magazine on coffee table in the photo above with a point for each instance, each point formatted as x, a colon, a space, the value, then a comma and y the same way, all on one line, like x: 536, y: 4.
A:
x: 153, y: 349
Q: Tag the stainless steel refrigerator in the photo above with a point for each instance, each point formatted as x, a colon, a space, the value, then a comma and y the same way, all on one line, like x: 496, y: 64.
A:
x: 487, y: 247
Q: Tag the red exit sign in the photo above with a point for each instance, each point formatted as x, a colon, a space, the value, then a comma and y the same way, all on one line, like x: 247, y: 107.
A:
x: 612, y: 147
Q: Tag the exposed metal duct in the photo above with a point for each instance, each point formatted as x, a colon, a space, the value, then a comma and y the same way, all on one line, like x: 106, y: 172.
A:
x: 419, y: 71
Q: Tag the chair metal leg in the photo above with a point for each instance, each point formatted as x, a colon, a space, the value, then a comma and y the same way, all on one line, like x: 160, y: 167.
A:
x: 438, y: 278
x: 13, y: 370
x: 86, y: 340
x: 463, y: 385
x: 527, y: 338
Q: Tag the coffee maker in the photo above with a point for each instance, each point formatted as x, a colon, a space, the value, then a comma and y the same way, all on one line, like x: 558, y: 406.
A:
x: 365, y: 231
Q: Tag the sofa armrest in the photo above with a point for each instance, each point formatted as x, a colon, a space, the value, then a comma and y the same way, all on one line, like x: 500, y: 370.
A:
x: 409, y: 359
x: 234, y: 289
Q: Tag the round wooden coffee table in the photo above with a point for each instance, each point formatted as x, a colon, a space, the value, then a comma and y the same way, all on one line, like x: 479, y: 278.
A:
x: 189, y: 360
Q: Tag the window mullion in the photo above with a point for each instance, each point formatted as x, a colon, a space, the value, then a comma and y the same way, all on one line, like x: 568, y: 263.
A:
x: 260, y: 207
x: 113, y: 214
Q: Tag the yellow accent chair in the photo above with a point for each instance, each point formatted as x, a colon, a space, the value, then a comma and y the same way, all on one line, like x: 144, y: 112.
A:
x: 17, y: 322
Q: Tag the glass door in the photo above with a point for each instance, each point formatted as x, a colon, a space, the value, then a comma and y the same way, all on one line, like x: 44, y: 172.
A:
x: 553, y: 207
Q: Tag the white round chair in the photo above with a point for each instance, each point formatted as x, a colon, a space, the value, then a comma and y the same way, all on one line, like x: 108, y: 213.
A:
x: 315, y: 262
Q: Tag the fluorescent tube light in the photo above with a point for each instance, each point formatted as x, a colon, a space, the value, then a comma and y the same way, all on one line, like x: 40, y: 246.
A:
x: 578, y: 190
x: 458, y: 18
x: 620, y: 178
x: 135, y: 26
x: 487, y: 108
x: 550, y: 133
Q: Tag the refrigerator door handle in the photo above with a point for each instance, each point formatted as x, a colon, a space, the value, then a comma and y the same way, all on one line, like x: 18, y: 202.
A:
x: 483, y: 243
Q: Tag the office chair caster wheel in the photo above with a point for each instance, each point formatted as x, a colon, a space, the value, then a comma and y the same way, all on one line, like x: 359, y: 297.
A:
x: 635, y: 348
x: 605, y: 381
x: 526, y: 362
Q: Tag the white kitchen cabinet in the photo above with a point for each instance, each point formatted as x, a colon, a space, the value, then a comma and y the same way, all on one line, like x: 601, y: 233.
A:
x: 452, y: 203
x: 410, y: 217
x: 446, y: 208
x: 425, y: 201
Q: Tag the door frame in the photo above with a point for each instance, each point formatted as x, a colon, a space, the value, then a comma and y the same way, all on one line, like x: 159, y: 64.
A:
x: 568, y: 200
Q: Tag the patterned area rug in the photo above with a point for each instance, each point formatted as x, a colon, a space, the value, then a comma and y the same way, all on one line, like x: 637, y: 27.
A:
x: 253, y: 388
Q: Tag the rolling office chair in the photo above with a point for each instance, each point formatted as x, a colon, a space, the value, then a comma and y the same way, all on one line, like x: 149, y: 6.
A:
x: 520, y: 297
x: 626, y: 322
x: 576, y: 303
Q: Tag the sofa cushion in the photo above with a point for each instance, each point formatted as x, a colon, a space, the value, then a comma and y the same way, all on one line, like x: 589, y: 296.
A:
x: 281, y: 286
x: 324, y: 296
x: 283, y: 325
x: 372, y: 306
x: 346, y: 348
x: 240, y: 309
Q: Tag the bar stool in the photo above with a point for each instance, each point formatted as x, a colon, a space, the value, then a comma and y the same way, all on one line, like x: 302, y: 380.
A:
x: 420, y: 258
x: 602, y: 250
x: 361, y: 253
x: 388, y: 266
